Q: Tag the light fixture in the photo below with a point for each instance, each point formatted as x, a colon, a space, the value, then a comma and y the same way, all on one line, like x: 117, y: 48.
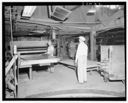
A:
x: 92, y: 10
x: 28, y: 11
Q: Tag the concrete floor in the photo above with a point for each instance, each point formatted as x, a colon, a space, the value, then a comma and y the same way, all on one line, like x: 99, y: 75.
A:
x: 63, y: 83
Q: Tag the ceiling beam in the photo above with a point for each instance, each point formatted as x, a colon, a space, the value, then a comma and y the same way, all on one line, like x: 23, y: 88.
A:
x: 74, y: 8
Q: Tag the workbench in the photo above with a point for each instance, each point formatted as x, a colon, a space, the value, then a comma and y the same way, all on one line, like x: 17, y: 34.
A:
x: 37, y: 59
x: 33, y: 53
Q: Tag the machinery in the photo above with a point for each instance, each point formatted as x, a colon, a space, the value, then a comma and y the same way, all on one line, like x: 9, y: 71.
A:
x: 113, y: 62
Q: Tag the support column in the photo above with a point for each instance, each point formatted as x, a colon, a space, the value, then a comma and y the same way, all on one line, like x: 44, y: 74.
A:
x: 58, y: 46
x: 93, y: 45
x: 63, y: 47
x: 30, y: 73
x: 52, y: 68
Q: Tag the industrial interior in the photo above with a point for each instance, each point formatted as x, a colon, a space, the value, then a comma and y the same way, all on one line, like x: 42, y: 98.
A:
x: 30, y: 73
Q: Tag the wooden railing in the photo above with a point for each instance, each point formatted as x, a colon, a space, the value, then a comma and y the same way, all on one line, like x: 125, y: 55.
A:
x: 11, y: 64
x: 11, y: 71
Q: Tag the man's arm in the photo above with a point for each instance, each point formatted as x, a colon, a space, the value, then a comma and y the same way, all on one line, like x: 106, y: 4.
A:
x: 77, y: 54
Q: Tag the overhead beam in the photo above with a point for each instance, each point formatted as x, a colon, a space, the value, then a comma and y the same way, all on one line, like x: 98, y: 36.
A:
x: 58, y: 25
x: 74, y: 8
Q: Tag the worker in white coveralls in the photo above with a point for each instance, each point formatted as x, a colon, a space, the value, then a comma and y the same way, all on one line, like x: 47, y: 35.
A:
x: 81, y: 60
x: 50, y: 50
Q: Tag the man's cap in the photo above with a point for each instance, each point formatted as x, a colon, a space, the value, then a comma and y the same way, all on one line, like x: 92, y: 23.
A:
x: 82, y: 38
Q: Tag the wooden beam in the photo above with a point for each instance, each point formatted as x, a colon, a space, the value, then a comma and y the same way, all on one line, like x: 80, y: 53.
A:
x: 11, y: 64
x: 74, y: 8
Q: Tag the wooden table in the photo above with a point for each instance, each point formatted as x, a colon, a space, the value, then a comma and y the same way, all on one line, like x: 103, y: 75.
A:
x: 40, y: 59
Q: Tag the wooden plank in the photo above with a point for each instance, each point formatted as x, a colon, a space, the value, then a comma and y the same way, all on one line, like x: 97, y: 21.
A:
x: 39, y: 51
x: 11, y: 64
x: 30, y: 43
x: 42, y: 61
x: 90, y: 64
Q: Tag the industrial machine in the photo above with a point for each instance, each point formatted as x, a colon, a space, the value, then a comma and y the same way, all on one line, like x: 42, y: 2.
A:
x: 113, y: 62
x: 32, y: 53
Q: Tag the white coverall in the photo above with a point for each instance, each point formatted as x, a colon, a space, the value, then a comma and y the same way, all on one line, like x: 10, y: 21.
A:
x: 50, y: 50
x: 81, y: 59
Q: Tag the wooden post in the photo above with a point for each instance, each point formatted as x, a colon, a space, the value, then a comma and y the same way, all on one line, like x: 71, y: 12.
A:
x: 11, y: 31
x: 14, y: 72
x: 52, y: 68
x: 11, y: 23
x: 58, y: 46
x: 64, y: 47
x: 30, y: 73
x: 17, y: 77
x: 93, y: 45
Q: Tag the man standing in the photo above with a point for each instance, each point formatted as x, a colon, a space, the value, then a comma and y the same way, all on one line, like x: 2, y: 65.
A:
x: 81, y: 60
x: 50, y: 50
